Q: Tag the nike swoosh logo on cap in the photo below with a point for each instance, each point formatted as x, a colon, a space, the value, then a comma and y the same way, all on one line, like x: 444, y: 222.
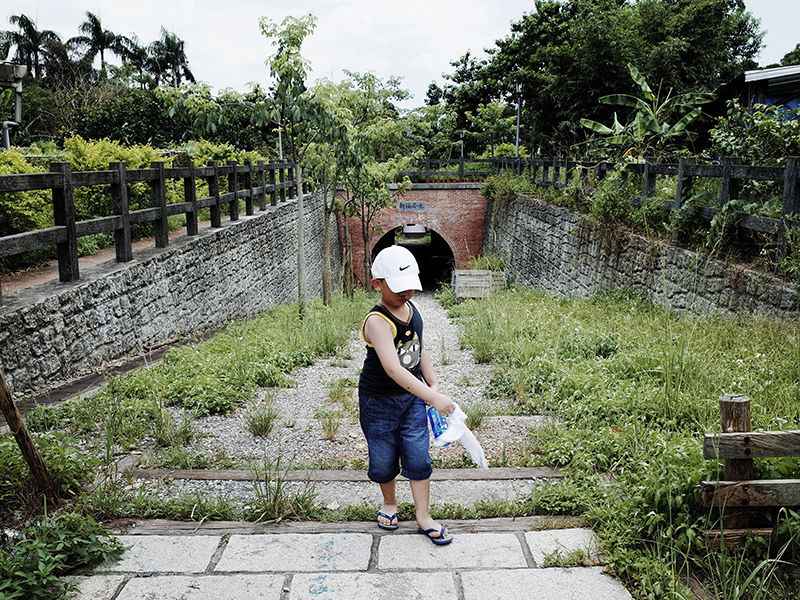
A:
x: 404, y: 268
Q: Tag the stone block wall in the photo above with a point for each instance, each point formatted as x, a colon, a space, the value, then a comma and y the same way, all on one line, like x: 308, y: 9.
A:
x: 56, y: 332
x: 553, y: 249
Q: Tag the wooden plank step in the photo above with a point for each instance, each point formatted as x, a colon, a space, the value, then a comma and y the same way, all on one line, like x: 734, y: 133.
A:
x: 167, y: 527
x: 495, y: 474
x: 477, y: 474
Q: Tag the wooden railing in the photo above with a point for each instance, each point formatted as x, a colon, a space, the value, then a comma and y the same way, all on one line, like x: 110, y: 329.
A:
x: 559, y: 173
x: 258, y: 181
x: 738, y: 494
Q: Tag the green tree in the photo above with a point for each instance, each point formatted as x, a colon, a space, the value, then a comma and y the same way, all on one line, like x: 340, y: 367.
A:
x: 168, y: 61
x: 297, y: 111
x: 491, y: 125
x: 370, y: 193
x: 97, y: 41
x: 655, y: 124
x: 791, y: 58
x: 567, y: 54
x: 30, y: 43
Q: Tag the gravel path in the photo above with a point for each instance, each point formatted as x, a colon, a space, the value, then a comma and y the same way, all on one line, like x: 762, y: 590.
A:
x: 298, y: 435
x: 299, y: 441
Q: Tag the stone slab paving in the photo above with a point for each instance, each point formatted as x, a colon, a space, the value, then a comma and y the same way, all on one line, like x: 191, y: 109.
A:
x: 347, y: 566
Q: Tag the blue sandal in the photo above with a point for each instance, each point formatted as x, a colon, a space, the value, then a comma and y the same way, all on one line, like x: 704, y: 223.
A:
x: 439, y: 540
x: 391, y: 518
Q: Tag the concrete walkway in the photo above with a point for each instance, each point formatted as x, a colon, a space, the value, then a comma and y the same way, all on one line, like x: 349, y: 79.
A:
x: 489, y: 559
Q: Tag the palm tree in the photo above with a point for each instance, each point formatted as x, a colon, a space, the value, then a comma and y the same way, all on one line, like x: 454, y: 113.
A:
x: 31, y: 44
x: 168, y: 57
x: 97, y: 40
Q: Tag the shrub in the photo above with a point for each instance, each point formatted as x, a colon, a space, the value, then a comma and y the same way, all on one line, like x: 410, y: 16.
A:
x: 32, y: 560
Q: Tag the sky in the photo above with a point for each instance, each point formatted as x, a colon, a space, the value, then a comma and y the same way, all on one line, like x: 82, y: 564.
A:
x: 413, y: 39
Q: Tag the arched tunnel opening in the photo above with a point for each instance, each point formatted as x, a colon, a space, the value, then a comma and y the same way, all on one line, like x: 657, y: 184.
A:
x: 434, y: 256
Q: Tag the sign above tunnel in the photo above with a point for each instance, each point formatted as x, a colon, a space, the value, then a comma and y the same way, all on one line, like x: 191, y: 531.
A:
x: 414, y: 205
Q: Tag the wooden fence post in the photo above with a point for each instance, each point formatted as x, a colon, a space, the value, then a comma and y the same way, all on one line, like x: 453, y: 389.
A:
x: 556, y: 172
x: 213, y: 191
x: 119, y: 204
x: 261, y: 176
x: 248, y: 185
x: 734, y: 411
x: 730, y: 186
x: 233, y: 187
x: 282, y: 180
x: 791, y: 199
x: 25, y: 443
x: 273, y: 180
x: 190, y: 195
x: 64, y: 214
x: 684, y: 186
x: 649, y: 177
x: 159, y: 190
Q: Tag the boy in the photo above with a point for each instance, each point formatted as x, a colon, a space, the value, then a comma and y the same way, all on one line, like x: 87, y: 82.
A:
x: 395, y: 384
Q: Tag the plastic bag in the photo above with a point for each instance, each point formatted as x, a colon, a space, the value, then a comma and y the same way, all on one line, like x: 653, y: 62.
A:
x: 457, y: 430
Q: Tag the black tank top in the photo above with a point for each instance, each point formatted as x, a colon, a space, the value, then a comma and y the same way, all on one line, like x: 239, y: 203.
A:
x: 374, y: 381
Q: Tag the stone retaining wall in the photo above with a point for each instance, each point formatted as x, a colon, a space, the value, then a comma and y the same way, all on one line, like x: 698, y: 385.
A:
x: 553, y: 249
x: 56, y: 332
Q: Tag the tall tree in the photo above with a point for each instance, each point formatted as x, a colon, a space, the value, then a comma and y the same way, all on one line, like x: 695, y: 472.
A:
x: 791, y: 58
x: 567, y: 54
x: 295, y: 110
x: 30, y: 43
x: 97, y: 41
x: 168, y: 61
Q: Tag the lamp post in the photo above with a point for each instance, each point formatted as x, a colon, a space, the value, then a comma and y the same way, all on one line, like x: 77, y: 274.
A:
x: 518, y: 91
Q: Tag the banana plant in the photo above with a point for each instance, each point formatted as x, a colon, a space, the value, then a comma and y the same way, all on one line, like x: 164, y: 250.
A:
x: 650, y: 123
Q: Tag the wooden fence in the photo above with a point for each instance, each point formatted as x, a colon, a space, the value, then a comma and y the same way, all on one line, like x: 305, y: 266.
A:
x: 738, y: 494
x: 258, y: 181
x: 560, y: 173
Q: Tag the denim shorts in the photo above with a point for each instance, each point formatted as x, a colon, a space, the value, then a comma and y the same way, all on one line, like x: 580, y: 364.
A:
x: 396, y: 428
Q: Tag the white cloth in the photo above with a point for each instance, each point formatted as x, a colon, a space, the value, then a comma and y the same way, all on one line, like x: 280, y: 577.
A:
x: 457, y: 430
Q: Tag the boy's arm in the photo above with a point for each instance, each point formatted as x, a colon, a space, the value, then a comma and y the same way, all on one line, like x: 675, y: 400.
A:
x: 379, y: 333
x: 428, y: 373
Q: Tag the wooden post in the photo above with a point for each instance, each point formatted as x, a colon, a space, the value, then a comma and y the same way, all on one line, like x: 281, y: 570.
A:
x: 190, y: 195
x: 730, y: 185
x: 25, y: 443
x: 248, y: 184
x: 119, y: 204
x: 261, y: 178
x: 556, y: 172
x: 233, y: 187
x: 213, y: 191
x: 791, y: 199
x: 684, y: 186
x: 649, y: 177
x: 273, y: 181
x: 64, y: 214
x: 282, y: 181
x: 159, y: 188
x: 734, y: 411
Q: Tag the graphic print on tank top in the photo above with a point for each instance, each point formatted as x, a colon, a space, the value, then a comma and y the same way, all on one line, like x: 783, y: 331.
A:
x: 409, y: 351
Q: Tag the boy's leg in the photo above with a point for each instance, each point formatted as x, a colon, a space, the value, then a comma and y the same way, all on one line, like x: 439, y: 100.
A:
x: 421, y: 491
x: 388, y: 490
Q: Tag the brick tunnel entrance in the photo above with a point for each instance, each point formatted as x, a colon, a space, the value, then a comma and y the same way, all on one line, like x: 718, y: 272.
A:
x: 447, y: 220
x: 434, y: 255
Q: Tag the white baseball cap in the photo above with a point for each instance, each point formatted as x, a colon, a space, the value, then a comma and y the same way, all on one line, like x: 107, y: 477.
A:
x: 398, y: 267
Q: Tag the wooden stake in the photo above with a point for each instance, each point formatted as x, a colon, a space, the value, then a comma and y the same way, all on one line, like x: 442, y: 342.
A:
x: 734, y: 411
x: 25, y: 443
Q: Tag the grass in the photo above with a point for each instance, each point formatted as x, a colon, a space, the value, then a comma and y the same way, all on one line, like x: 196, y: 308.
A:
x: 262, y: 417
x: 634, y: 387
